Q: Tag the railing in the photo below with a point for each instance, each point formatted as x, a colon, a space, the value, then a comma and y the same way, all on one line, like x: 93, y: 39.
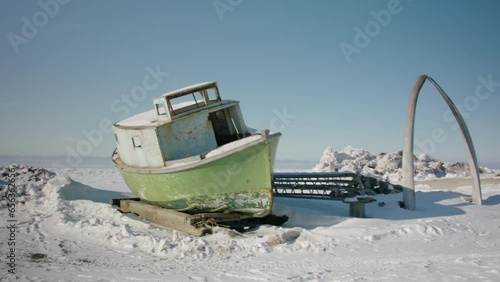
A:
x: 320, y: 185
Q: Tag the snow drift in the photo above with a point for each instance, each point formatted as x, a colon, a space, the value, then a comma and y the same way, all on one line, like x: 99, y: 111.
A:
x: 29, y: 181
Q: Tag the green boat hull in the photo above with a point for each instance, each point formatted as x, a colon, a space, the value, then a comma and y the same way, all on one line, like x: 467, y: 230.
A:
x: 239, y: 182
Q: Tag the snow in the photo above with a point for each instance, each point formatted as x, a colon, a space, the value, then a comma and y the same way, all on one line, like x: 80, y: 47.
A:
x: 388, y: 166
x: 67, y: 231
x: 142, y: 119
x: 351, y: 200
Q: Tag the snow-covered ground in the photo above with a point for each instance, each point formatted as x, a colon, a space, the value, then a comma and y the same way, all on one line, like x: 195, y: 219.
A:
x: 66, y: 231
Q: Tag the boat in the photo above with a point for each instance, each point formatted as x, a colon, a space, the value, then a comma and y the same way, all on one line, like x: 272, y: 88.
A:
x: 194, y: 153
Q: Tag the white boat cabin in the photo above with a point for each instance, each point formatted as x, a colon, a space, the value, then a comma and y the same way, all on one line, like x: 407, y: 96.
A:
x: 188, y: 122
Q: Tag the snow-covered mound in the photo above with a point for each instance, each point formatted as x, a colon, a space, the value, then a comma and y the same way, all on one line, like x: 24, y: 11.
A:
x: 24, y: 181
x: 388, y: 166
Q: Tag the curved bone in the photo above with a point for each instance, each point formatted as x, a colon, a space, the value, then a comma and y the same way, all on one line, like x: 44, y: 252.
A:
x: 408, y: 171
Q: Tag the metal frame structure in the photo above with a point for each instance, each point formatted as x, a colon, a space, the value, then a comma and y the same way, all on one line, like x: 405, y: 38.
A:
x: 322, y: 185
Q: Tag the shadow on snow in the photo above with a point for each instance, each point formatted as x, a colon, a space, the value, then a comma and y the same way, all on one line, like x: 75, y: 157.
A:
x: 492, y: 200
x: 78, y: 191
x: 312, y: 213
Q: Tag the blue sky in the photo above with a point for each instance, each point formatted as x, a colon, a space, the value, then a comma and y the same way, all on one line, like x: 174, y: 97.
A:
x: 282, y: 59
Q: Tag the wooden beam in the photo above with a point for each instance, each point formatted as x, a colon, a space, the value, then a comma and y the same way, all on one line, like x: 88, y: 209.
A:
x: 164, y: 217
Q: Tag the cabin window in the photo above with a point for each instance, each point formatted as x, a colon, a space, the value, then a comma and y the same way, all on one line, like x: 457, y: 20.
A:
x: 116, y: 138
x: 212, y: 95
x: 187, y: 102
x: 136, y: 141
x: 198, y: 98
x: 161, y: 109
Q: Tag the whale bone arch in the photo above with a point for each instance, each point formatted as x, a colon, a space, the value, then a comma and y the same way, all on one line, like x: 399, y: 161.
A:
x: 408, y: 170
